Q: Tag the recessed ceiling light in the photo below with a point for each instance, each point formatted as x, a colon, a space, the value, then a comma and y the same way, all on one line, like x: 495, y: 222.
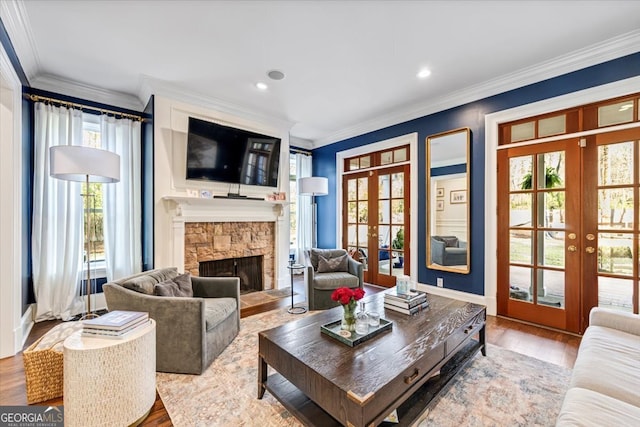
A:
x: 424, y: 73
x: 262, y: 86
x: 275, y: 75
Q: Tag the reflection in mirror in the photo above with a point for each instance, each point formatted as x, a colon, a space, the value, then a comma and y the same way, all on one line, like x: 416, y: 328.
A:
x: 448, y: 201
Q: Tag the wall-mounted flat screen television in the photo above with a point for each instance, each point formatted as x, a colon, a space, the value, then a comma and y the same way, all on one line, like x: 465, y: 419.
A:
x: 224, y: 154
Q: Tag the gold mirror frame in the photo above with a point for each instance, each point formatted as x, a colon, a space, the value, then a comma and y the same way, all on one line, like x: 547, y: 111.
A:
x: 446, y: 252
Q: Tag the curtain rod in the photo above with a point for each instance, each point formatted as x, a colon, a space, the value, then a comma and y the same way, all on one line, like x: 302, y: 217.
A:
x: 38, y: 98
x: 299, y: 150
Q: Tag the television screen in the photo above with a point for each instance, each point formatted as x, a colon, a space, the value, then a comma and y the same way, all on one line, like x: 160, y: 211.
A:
x: 221, y: 153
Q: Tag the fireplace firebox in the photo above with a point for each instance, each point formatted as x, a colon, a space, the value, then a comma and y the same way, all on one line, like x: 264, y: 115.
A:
x: 248, y: 269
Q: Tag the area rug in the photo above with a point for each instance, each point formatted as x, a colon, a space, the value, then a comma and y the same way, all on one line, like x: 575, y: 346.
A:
x: 503, y: 389
x: 256, y: 298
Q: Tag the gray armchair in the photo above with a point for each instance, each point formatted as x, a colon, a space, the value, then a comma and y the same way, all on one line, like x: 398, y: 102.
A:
x: 448, y: 250
x: 321, y: 283
x: 190, y: 331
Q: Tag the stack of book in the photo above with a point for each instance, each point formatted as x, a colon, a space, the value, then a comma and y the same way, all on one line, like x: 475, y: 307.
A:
x: 115, y: 324
x: 409, y: 303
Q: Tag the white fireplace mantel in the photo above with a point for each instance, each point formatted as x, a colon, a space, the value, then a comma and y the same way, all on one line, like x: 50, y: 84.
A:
x: 196, y: 209
x: 183, y: 209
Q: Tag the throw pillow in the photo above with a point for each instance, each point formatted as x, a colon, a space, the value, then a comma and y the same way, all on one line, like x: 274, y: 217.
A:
x: 179, y: 286
x: 328, y: 265
x: 143, y: 284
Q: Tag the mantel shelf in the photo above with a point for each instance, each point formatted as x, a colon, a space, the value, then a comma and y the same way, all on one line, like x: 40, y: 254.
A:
x: 203, y: 201
x: 228, y: 208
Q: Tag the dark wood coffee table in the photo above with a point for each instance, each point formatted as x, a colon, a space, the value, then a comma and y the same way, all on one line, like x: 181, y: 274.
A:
x: 324, y: 382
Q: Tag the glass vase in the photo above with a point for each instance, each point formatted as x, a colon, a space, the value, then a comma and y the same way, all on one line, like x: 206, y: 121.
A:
x: 349, y: 316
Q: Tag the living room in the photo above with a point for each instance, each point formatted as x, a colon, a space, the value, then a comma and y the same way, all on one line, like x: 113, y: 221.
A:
x: 602, y: 69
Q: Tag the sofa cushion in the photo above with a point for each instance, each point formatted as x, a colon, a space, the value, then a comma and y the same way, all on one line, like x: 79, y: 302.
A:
x: 179, y: 286
x: 335, y: 280
x: 218, y: 309
x: 145, y: 281
x: 608, y: 363
x: 328, y: 265
x: 588, y: 408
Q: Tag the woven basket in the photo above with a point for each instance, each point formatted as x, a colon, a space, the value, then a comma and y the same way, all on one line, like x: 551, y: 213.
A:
x: 43, y: 372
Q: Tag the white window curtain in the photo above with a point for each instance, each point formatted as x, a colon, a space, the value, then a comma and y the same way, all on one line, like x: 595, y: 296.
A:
x: 122, y: 200
x: 57, y: 233
x: 304, y: 214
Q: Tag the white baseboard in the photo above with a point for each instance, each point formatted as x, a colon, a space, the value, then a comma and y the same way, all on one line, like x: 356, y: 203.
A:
x: 26, y: 324
x: 487, y: 301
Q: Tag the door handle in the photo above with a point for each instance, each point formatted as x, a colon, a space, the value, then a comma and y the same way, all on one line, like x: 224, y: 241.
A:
x: 590, y: 249
x: 572, y: 248
x: 591, y: 237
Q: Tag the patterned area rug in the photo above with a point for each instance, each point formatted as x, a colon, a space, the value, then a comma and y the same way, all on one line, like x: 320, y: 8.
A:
x: 256, y: 298
x: 502, y: 389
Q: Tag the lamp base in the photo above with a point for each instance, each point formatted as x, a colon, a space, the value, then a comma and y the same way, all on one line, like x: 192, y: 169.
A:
x: 297, y: 310
x: 88, y: 316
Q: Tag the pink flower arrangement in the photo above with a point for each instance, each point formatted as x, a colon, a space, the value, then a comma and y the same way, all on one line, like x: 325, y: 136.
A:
x: 346, y: 295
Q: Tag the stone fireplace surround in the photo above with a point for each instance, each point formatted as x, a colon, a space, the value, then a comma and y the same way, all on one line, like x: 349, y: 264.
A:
x: 210, y: 241
x: 211, y: 229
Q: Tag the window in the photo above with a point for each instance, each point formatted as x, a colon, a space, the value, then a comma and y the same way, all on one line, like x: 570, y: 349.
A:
x: 93, y: 204
x: 293, y: 196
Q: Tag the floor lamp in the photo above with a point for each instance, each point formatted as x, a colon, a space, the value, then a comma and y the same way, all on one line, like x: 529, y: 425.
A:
x: 313, y: 186
x: 84, y: 164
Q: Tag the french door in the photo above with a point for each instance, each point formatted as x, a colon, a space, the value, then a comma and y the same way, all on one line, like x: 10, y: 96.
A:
x: 568, y: 233
x: 376, y: 221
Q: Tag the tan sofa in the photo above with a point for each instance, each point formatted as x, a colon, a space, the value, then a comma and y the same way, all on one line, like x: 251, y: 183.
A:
x: 605, y: 384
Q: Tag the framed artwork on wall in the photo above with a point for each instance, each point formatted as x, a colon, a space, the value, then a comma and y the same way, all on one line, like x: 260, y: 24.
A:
x: 439, y: 192
x: 458, y: 196
x: 440, y: 205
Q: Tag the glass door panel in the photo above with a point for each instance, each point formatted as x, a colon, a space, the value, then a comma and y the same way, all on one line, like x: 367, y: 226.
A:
x: 611, y: 243
x: 357, y: 216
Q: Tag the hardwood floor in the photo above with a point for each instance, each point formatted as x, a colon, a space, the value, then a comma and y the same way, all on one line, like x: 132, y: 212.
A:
x: 549, y: 345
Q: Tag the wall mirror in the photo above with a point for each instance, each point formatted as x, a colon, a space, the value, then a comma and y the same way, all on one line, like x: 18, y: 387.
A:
x: 447, y: 198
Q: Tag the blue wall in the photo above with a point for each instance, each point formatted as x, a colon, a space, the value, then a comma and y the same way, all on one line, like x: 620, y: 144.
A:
x: 470, y: 115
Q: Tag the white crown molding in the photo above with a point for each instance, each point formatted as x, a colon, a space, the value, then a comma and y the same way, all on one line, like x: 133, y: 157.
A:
x: 616, y: 47
x: 294, y: 141
x: 152, y: 86
x: 16, y: 21
x: 92, y: 93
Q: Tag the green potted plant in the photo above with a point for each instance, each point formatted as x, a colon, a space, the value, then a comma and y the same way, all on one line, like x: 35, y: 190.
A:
x: 398, y: 243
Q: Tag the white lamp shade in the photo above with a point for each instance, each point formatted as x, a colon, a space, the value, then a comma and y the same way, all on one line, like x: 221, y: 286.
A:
x: 313, y: 186
x: 76, y: 163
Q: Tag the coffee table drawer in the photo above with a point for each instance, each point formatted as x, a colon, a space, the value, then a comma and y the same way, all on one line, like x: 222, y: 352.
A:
x: 404, y: 384
x: 467, y: 330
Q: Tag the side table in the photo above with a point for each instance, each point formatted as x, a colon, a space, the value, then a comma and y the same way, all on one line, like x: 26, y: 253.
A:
x: 293, y: 267
x: 110, y: 382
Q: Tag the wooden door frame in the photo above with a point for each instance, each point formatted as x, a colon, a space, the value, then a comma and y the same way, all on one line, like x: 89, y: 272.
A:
x: 372, y: 274
x: 412, y: 140
x: 491, y: 127
x: 567, y: 318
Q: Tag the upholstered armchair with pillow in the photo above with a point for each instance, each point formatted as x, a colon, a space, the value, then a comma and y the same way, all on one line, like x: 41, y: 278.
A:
x: 327, y: 270
x: 196, y: 317
x: 448, y: 250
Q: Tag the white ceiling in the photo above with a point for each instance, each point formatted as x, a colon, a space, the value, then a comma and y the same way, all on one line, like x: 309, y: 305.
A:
x: 350, y: 65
